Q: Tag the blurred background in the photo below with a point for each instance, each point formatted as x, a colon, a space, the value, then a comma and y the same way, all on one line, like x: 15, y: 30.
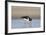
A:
x: 19, y: 11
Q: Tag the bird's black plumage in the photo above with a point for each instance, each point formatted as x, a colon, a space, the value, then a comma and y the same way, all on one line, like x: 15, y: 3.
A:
x: 26, y: 17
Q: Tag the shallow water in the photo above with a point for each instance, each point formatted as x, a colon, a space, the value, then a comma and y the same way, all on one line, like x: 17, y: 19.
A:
x: 21, y: 23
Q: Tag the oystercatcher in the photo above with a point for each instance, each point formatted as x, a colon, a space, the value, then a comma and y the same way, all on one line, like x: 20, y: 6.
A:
x: 28, y: 20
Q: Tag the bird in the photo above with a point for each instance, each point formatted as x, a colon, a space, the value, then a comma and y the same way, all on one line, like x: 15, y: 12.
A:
x: 27, y: 19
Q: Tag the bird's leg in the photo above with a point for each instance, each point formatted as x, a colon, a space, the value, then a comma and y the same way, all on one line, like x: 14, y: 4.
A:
x: 25, y: 24
x: 30, y: 24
